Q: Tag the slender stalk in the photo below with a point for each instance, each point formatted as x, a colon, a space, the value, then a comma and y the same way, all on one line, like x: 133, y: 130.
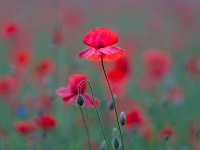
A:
x: 86, y: 128
x: 111, y: 92
x: 96, y: 109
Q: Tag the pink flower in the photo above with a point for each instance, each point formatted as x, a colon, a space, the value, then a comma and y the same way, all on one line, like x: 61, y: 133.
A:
x: 70, y: 93
x: 100, y: 41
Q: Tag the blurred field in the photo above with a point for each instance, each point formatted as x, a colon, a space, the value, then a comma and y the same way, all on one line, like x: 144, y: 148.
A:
x: 53, y: 30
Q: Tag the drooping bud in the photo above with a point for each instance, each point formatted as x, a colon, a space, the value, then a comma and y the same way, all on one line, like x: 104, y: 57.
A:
x: 80, y: 100
x: 122, y: 118
x: 103, y: 145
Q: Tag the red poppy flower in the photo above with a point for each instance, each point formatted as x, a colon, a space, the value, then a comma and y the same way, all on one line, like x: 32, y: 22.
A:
x: 176, y: 94
x: 193, y: 65
x: 44, y: 67
x: 70, y: 92
x: 119, y: 75
x: 135, y: 117
x: 46, y: 122
x: 24, y: 127
x: 100, y: 41
x: 157, y: 62
x: 21, y: 58
x: 10, y: 29
x: 167, y: 131
x: 8, y: 84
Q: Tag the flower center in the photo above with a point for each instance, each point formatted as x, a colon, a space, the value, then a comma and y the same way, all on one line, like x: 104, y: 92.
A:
x: 100, y: 46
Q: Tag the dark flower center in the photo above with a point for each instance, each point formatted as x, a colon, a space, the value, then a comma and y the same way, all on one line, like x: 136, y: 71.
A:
x: 100, y: 46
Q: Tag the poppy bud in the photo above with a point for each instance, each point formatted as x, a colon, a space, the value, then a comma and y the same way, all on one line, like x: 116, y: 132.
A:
x: 80, y: 100
x: 122, y: 118
x: 166, y: 137
x: 110, y: 105
x: 116, y: 143
x: 103, y: 145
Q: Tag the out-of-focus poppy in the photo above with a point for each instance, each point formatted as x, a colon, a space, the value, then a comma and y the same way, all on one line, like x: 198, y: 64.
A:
x: 70, y: 92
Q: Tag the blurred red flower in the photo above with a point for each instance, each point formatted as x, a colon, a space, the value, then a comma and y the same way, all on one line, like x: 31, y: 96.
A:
x: 44, y: 67
x: 157, y: 62
x: 46, y: 122
x: 135, y: 118
x: 100, y: 41
x: 193, y: 65
x: 70, y: 92
x: 118, y: 75
x: 8, y: 84
x: 24, y: 127
x: 147, y: 131
x: 21, y: 58
x: 168, y: 131
x: 176, y: 94
x: 10, y: 29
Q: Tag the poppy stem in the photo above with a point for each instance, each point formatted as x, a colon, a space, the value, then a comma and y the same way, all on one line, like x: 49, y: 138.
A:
x: 111, y: 92
x: 96, y: 109
x: 168, y: 145
x: 86, y: 128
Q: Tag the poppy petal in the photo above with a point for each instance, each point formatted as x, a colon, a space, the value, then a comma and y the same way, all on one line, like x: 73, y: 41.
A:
x: 74, y: 82
x: 111, y: 52
x: 100, y: 37
x: 88, y: 101
x: 71, y: 98
x: 87, y: 53
x: 64, y: 92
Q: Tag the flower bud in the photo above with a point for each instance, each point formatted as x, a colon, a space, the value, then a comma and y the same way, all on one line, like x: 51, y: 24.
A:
x: 103, y: 145
x: 166, y: 137
x: 122, y: 118
x: 110, y: 105
x: 116, y: 143
x: 80, y: 100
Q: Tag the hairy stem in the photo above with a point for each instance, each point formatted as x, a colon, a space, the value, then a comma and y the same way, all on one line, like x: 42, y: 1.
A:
x: 86, y: 128
x: 96, y: 109
x: 111, y: 92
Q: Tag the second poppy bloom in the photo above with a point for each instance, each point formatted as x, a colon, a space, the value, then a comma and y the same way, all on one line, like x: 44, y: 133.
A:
x: 100, y: 41
x: 70, y: 92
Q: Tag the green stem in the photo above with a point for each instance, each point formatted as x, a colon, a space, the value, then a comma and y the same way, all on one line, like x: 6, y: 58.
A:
x: 113, y: 102
x: 86, y: 128
x: 97, y: 112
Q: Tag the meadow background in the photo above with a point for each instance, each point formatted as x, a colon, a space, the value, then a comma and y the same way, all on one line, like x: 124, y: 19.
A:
x: 54, y: 29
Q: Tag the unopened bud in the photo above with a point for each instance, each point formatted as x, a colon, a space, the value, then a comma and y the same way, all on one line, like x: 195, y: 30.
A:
x: 110, y: 105
x: 166, y: 137
x: 80, y: 100
x: 115, y: 133
x: 122, y: 118
x: 116, y: 143
x: 103, y: 145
